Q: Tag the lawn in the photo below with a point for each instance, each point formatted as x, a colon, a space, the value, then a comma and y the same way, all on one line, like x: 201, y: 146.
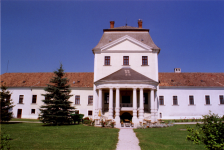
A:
x: 30, y: 120
x: 36, y: 136
x: 170, y: 138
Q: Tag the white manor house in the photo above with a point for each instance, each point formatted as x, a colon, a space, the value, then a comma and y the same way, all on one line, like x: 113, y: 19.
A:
x: 125, y: 84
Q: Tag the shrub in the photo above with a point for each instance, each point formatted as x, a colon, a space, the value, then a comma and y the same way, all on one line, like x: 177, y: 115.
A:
x: 86, y: 120
x: 5, y: 141
x: 210, y: 133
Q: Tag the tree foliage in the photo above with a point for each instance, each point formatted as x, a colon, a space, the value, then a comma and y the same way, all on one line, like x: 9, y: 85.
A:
x: 57, y: 107
x: 210, y: 133
x: 6, y: 104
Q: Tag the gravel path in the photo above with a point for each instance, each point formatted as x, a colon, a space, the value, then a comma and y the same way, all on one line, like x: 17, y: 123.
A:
x: 127, y: 140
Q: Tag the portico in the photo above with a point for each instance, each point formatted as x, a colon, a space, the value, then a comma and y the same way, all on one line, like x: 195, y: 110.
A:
x: 137, y: 104
x: 136, y: 94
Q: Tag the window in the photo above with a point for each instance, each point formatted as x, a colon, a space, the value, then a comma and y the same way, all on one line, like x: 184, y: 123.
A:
x: 161, y: 100
x: 175, y: 102
x: 32, y: 111
x: 126, y: 60
x: 34, y: 99
x: 20, y: 99
x: 221, y: 99
x: 76, y: 111
x: 144, y: 60
x: 90, y: 100
x: 145, y: 98
x: 207, y: 99
x: 77, y: 100
x: 191, y: 100
x: 8, y: 98
x: 106, y: 98
x: 107, y: 61
x: 90, y: 112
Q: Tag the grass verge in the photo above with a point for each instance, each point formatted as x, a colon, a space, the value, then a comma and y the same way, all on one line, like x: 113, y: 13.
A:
x: 36, y: 136
x: 170, y: 138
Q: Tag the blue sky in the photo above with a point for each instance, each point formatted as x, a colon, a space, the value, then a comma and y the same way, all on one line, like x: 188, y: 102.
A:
x: 36, y: 36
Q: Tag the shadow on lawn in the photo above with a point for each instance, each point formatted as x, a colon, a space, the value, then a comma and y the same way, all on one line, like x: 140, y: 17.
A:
x: 11, y: 122
x: 59, y: 124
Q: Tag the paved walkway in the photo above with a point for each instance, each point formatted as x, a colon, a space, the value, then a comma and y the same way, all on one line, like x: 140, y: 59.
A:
x: 127, y: 140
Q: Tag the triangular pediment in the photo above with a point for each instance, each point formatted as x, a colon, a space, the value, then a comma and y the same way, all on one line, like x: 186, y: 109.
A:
x: 126, y: 75
x: 126, y: 43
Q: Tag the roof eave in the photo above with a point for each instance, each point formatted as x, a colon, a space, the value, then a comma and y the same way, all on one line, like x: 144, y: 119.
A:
x: 111, y: 30
x: 126, y: 81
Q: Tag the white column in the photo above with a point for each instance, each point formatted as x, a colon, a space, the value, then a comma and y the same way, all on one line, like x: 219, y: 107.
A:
x: 100, y: 101
x: 111, y: 104
x: 141, y: 105
x: 149, y: 104
x: 134, y: 118
x: 95, y: 102
x: 156, y: 106
x: 152, y: 100
x: 117, y: 118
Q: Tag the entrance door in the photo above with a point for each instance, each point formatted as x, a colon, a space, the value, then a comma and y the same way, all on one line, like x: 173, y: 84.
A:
x: 126, y: 117
x: 19, y: 113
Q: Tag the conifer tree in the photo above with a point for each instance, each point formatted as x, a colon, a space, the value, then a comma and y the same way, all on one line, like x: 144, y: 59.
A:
x: 6, y: 104
x: 57, y: 107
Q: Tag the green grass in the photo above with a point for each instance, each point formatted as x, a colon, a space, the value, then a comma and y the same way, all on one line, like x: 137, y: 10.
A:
x: 36, y: 136
x: 31, y: 120
x: 170, y: 138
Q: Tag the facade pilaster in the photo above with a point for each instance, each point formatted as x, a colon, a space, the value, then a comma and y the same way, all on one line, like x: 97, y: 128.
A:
x: 111, y: 104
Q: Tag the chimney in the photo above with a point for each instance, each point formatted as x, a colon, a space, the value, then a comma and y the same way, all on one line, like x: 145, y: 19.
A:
x: 177, y: 70
x: 140, y: 23
x: 111, y: 24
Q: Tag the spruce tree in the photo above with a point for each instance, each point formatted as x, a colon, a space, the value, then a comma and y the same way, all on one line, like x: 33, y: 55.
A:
x: 6, y: 104
x: 57, y: 107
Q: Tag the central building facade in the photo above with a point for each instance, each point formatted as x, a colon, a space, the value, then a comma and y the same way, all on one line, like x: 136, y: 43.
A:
x: 126, y: 75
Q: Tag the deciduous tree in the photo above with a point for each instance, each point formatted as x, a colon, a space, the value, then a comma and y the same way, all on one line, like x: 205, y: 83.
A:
x: 210, y: 132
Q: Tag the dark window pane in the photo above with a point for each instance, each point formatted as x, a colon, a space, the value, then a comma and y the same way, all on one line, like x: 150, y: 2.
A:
x: 34, y: 99
x: 126, y: 99
x: 161, y: 100
x: 145, y: 98
x: 221, y: 99
x: 126, y: 60
x: 106, y: 98
x: 77, y: 99
x: 32, y: 111
x: 144, y: 60
x: 191, y: 100
x: 90, y: 113
x: 175, y: 102
x: 207, y: 99
x: 90, y: 100
x: 107, y: 60
x: 20, y: 99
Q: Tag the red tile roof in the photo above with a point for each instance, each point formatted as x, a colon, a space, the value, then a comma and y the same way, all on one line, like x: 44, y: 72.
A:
x: 86, y: 79
x: 192, y: 79
x: 41, y: 79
